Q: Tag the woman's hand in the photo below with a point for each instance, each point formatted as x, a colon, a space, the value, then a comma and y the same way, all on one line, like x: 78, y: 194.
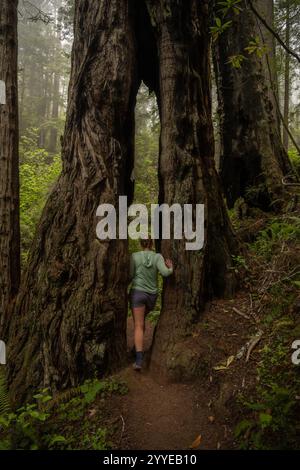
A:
x: 169, y: 263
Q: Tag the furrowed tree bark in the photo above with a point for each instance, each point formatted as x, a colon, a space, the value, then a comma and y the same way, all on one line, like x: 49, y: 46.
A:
x: 9, y: 159
x: 187, y: 175
x: 70, y: 317
x: 253, y: 159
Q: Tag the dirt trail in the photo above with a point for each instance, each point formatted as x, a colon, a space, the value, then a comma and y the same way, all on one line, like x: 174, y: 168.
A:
x: 170, y: 416
x: 164, y: 416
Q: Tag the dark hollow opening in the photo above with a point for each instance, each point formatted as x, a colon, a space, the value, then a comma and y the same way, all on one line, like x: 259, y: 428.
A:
x: 145, y: 171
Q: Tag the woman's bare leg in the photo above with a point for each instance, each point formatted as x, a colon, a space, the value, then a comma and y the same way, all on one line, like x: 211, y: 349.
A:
x: 139, y: 323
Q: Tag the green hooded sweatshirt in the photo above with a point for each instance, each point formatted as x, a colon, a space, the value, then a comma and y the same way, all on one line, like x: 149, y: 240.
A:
x: 144, y: 266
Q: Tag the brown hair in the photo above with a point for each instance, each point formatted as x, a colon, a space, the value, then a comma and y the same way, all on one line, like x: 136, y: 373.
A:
x: 146, y: 243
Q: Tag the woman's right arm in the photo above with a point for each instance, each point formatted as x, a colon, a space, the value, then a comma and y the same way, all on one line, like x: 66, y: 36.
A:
x: 164, y: 269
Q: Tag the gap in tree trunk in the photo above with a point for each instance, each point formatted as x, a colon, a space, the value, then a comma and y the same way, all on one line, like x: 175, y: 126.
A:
x: 147, y: 142
x: 146, y: 186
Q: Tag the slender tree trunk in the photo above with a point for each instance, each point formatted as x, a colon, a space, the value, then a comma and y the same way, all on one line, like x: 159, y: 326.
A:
x: 54, y: 114
x: 286, y: 112
x: 70, y: 316
x: 9, y: 158
x: 22, y: 86
x: 55, y: 94
x: 253, y: 159
x: 43, y: 111
x: 188, y: 175
x: 266, y: 9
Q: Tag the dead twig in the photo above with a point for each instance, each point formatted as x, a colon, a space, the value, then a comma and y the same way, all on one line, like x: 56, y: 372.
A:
x: 253, y: 343
x: 123, y: 428
x: 252, y: 313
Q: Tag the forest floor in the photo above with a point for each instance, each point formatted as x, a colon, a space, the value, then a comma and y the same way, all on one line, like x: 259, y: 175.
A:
x: 245, y: 346
x: 162, y: 415
x: 246, y: 394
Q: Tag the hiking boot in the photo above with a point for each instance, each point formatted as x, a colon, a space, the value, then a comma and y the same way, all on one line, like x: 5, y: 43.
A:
x: 137, y: 367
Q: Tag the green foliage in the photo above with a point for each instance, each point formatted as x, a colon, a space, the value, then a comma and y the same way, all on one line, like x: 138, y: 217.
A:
x: 273, y: 422
x: 271, y: 412
x: 65, y: 18
x: 236, y: 61
x: 223, y: 9
x: 73, y: 410
x: 219, y: 28
x: 154, y: 315
x: 146, y: 166
x: 146, y: 148
x: 91, y: 388
x: 295, y: 159
x: 280, y: 300
x: 38, y: 173
x: 255, y: 47
x: 44, y: 68
x: 49, y: 424
x: 227, y: 6
x: 98, y: 441
x: 278, y: 230
x: 43, y: 75
x: 23, y: 429
x: 4, y: 401
x: 239, y: 262
x: 255, y: 194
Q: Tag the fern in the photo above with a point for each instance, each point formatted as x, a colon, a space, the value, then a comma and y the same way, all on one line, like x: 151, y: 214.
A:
x: 63, y: 397
x: 4, y: 401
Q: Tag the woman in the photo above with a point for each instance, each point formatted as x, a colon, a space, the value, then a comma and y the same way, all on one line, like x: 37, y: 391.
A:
x: 144, y: 266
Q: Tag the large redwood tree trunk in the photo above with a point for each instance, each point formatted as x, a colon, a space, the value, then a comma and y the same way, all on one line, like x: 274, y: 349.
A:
x: 253, y: 159
x: 70, y: 317
x: 188, y: 175
x: 9, y: 159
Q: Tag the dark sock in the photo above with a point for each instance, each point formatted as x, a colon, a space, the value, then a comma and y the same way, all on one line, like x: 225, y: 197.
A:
x: 139, y: 358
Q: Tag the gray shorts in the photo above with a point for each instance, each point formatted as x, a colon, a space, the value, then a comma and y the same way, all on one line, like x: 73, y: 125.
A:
x: 140, y: 299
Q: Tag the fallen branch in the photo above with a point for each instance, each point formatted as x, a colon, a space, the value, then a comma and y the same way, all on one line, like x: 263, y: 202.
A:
x: 236, y: 310
x: 253, y: 343
x: 289, y: 184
